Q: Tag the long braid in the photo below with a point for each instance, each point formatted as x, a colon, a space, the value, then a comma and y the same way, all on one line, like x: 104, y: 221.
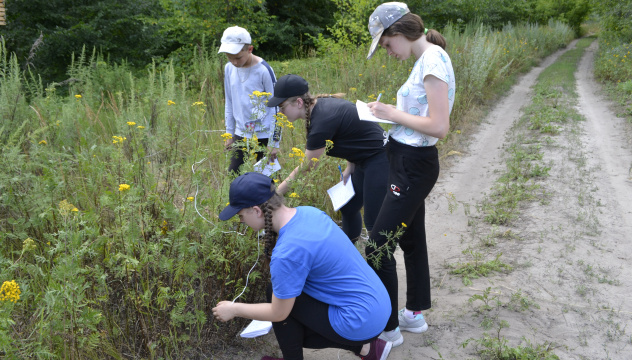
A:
x: 309, y: 100
x: 270, y: 236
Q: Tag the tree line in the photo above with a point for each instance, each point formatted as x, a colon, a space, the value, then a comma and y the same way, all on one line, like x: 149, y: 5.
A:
x: 45, y: 33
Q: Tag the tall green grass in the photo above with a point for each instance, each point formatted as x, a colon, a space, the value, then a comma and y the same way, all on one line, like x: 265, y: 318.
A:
x: 121, y: 272
x: 613, y: 67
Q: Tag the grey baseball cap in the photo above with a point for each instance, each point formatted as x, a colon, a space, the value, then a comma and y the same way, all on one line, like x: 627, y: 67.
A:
x: 382, y: 18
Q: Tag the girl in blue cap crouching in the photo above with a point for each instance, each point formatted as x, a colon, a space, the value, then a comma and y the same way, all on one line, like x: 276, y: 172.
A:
x: 323, y: 293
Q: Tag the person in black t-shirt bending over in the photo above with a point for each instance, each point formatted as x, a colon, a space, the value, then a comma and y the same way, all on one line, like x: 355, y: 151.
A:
x: 361, y: 143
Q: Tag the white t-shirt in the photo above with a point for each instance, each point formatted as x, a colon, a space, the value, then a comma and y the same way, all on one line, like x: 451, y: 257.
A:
x: 411, y: 97
x: 244, y: 114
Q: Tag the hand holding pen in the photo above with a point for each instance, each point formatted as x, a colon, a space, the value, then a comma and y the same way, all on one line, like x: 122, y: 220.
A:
x: 379, y: 109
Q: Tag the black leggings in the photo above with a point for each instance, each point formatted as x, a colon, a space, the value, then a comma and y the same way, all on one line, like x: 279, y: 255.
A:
x: 413, y: 172
x: 308, y: 326
x: 369, y: 182
x: 237, y: 155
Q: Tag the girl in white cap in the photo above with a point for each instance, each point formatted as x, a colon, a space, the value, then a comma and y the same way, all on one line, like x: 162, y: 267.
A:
x: 422, y: 115
x: 323, y: 293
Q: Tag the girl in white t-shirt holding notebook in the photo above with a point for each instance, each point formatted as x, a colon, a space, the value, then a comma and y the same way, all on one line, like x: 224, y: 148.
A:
x: 422, y: 116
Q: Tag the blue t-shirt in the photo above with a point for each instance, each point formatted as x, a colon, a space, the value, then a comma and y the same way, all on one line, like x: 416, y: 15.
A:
x: 314, y: 256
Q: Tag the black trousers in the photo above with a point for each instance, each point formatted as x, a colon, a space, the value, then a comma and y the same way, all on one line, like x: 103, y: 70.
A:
x: 237, y: 154
x: 308, y: 326
x: 369, y: 182
x: 413, y: 172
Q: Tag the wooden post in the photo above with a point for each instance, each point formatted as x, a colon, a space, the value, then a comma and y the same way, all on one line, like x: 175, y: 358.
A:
x: 3, y: 15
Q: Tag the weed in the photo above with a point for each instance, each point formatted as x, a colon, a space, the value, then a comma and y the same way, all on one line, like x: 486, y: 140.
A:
x: 581, y: 290
x: 478, y: 267
x: 520, y: 302
x: 485, y: 298
x: 386, y: 249
x: 614, y: 330
x: 496, y: 347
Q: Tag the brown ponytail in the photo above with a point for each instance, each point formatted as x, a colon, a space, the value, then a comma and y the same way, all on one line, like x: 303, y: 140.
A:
x: 412, y: 28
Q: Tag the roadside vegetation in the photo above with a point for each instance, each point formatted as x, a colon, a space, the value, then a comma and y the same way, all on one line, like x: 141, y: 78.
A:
x: 613, y: 65
x: 111, y: 182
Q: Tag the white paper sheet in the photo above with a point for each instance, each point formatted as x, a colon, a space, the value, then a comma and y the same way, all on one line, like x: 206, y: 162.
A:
x: 269, y: 168
x: 256, y: 328
x: 340, y: 194
x: 365, y: 114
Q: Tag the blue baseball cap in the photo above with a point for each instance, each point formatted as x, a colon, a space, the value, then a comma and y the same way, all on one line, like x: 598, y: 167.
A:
x: 286, y: 87
x: 247, y: 190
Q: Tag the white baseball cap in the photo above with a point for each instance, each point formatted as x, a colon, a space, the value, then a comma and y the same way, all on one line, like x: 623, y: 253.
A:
x: 382, y: 18
x: 234, y: 39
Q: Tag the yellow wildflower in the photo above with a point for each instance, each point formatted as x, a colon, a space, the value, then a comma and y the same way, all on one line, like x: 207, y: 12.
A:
x: 131, y: 123
x: 164, y: 227
x: 352, y: 89
x: 28, y: 245
x: 123, y: 187
x: 314, y: 159
x: 43, y: 142
x: 10, y: 291
x: 169, y: 102
x: 294, y: 195
x: 118, y: 139
x: 198, y: 103
x: 260, y: 94
x: 190, y: 198
x: 329, y: 143
x: 140, y: 127
x: 74, y: 210
x: 280, y: 117
x: 297, y: 152
x: 404, y: 225
x: 227, y: 136
x: 65, y: 207
x: 77, y: 96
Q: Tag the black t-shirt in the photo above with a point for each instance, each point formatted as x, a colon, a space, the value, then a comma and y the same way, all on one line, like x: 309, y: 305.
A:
x: 337, y: 120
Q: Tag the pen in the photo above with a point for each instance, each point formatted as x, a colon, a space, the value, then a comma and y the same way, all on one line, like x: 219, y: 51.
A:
x: 378, y: 97
x: 340, y: 168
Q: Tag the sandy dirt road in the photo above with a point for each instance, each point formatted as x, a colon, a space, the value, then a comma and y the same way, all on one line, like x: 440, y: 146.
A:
x: 570, y: 254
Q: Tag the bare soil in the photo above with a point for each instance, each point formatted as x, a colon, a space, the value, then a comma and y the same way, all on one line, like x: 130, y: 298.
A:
x: 570, y: 249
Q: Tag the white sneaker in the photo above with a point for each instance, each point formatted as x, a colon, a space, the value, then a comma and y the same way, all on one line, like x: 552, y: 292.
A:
x: 416, y: 325
x: 394, y: 336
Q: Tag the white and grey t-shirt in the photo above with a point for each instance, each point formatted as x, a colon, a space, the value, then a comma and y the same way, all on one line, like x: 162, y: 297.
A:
x: 412, y: 99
